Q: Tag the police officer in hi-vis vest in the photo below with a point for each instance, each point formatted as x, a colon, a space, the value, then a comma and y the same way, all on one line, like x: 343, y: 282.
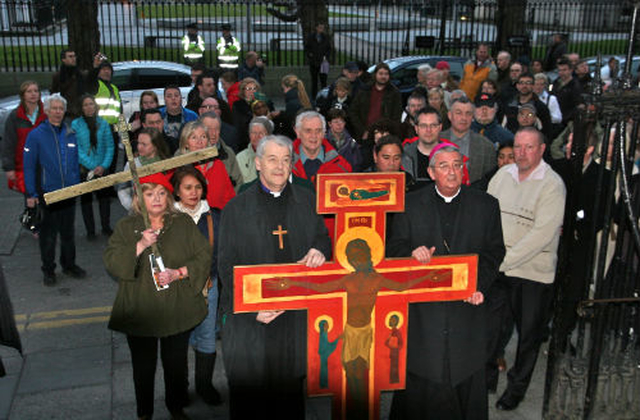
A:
x: 192, y: 45
x: 107, y: 98
x: 228, y: 50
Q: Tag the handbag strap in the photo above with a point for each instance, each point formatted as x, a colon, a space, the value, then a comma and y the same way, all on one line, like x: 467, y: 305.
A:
x: 210, y: 228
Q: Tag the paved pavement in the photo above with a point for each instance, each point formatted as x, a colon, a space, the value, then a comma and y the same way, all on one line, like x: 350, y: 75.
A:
x: 73, y: 367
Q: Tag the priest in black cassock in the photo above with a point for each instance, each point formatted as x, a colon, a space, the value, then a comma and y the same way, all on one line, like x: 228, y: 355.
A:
x: 265, y: 353
x: 446, y: 341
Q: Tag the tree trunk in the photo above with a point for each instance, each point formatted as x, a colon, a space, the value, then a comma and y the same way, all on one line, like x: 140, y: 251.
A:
x: 82, y: 27
x: 311, y: 13
x: 510, y: 20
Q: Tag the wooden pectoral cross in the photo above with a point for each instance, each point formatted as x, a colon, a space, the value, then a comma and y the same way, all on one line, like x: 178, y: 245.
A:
x: 279, y: 233
x: 133, y: 175
x: 357, y: 306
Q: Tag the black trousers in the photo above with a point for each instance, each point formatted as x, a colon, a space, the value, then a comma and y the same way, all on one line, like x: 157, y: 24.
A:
x: 282, y: 401
x: 314, y: 71
x: 116, y: 150
x: 529, y: 303
x: 144, y: 356
x: 57, y: 218
x: 500, y: 327
x: 104, y: 206
x: 423, y: 399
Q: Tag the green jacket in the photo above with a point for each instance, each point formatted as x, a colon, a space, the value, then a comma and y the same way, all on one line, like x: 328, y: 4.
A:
x: 141, y: 310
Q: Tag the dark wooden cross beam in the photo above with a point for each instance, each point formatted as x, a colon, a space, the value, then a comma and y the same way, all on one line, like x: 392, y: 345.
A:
x: 133, y: 175
x: 126, y: 176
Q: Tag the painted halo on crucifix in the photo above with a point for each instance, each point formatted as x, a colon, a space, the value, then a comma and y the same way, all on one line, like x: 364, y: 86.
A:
x: 398, y: 315
x: 368, y: 235
x: 325, y: 318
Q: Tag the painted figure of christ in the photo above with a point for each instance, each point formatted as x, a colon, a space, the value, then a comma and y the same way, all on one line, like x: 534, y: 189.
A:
x: 362, y: 286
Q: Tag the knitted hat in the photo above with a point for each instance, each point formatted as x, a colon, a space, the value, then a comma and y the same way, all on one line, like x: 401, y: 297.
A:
x: 158, y: 178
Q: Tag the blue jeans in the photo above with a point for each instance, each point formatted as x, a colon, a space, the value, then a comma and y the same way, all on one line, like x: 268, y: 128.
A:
x: 203, y: 337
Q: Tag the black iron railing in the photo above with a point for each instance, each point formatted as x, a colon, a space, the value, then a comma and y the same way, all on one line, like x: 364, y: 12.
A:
x: 33, y: 32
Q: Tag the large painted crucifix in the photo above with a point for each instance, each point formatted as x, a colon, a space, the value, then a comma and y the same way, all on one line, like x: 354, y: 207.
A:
x: 357, y: 306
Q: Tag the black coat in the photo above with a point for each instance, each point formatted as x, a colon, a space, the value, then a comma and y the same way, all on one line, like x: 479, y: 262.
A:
x: 242, y: 116
x: 9, y: 335
x: 454, y: 330
x: 316, y: 51
x: 251, y: 349
x: 569, y: 97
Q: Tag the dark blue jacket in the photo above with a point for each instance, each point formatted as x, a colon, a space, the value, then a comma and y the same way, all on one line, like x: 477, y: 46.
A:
x: 50, y: 159
x: 494, y: 132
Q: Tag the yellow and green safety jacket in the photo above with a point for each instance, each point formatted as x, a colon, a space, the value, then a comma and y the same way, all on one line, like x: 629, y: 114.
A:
x: 228, y: 53
x: 192, y: 50
x: 108, y: 101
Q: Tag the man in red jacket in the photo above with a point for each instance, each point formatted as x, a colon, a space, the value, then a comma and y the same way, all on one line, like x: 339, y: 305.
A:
x: 313, y: 154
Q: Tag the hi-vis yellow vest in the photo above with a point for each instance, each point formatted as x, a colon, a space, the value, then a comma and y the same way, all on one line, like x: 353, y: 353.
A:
x: 228, y: 54
x: 192, y: 50
x: 109, y: 106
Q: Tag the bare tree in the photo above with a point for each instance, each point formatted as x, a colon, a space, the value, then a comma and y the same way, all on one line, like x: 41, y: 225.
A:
x: 510, y: 20
x: 83, y: 30
x: 308, y: 12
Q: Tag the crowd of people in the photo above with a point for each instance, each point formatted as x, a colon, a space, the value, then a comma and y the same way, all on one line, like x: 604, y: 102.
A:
x: 476, y: 154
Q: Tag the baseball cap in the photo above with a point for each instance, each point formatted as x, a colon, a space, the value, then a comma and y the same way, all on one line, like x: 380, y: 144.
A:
x: 484, y: 99
x: 528, y: 106
x: 441, y: 65
x: 351, y: 66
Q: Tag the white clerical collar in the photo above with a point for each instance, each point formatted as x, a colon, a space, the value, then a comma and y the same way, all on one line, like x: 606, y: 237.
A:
x: 275, y: 194
x: 445, y: 198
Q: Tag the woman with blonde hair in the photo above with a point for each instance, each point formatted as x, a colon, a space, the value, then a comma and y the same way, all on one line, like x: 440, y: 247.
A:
x: 27, y: 116
x: 158, y: 308
x: 219, y: 188
x: 241, y: 110
x: 295, y: 96
x: 436, y: 100
x: 295, y: 99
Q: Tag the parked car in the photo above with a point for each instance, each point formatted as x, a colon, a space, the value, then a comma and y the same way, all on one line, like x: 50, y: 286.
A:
x: 604, y: 70
x: 404, y: 70
x: 132, y: 78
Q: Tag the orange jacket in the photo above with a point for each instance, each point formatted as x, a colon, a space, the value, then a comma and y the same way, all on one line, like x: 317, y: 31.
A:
x: 474, y: 75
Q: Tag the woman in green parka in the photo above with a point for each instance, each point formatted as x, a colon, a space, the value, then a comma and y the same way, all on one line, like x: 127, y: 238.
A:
x: 163, y: 311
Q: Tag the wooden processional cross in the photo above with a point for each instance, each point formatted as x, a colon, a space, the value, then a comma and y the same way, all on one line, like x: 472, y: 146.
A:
x: 357, y: 306
x: 132, y: 175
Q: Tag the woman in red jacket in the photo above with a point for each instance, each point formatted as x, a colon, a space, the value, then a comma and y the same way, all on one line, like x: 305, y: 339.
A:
x: 27, y: 116
x: 219, y: 188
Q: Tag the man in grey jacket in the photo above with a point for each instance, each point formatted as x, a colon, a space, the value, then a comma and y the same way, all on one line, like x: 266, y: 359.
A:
x: 476, y: 147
